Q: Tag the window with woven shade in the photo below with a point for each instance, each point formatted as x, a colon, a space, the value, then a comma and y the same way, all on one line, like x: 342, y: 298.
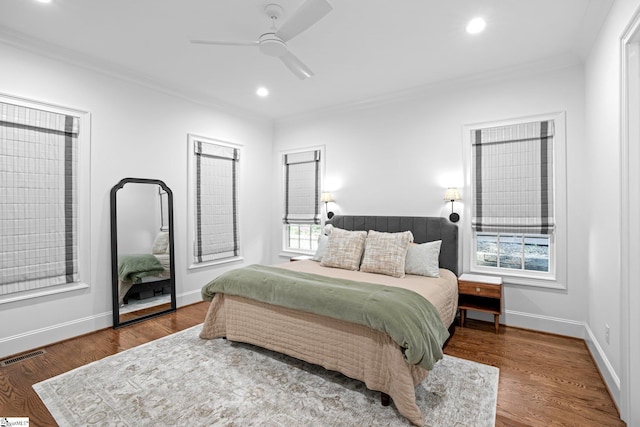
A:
x: 40, y: 200
x: 214, y: 201
x: 514, y: 183
x: 302, y: 209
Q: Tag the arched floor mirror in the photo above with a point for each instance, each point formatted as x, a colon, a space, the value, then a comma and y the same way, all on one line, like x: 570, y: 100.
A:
x: 142, y: 259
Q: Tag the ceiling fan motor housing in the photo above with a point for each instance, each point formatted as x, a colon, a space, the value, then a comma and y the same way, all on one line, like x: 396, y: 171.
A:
x: 272, y: 45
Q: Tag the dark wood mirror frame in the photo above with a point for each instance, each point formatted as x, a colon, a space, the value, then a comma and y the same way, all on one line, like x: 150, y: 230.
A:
x: 117, y: 322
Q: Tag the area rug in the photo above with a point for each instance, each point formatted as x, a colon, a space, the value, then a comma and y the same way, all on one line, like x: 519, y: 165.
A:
x: 184, y: 380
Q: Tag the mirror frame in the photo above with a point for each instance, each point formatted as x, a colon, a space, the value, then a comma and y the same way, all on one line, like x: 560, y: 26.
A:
x: 114, y: 251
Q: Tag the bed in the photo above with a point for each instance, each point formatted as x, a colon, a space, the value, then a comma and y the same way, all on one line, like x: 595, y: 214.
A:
x: 354, y: 349
x: 145, y: 275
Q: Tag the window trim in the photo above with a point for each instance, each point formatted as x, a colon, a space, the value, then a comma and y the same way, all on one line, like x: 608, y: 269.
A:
x: 558, y: 245
x: 285, y: 249
x: 191, y: 140
x: 83, y: 203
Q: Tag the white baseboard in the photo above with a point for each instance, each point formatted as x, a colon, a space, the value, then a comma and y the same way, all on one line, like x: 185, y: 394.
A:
x: 39, y: 338
x: 190, y: 297
x: 606, y: 369
x: 552, y: 325
x: 536, y: 322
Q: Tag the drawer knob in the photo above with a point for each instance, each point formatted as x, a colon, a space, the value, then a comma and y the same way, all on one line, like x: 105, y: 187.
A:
x: 477, y: 289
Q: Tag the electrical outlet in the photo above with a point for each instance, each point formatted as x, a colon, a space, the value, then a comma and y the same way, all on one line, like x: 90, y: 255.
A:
x: 606, y: 333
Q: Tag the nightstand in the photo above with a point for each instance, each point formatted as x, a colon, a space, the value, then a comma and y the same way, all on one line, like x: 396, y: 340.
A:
x: 300, y: 258
x: 480, y: 293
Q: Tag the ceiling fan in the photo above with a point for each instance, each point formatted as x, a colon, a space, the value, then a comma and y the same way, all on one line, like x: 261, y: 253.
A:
x: 273, y: 42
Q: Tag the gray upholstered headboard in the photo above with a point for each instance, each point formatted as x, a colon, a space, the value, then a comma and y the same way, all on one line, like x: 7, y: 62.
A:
x: 424, y: 229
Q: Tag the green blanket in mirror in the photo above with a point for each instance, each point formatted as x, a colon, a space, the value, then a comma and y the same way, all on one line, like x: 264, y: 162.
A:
x: 132, y: 268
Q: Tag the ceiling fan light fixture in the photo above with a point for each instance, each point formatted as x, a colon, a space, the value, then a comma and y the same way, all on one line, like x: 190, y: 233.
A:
x: 272, y: 45
x: 476, y: 25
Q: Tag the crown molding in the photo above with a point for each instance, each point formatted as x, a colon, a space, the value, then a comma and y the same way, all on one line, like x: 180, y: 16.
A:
x: 518, y: 71
x: 56, y: 52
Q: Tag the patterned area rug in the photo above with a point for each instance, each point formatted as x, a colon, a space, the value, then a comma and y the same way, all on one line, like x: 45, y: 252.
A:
x: 184, y: 380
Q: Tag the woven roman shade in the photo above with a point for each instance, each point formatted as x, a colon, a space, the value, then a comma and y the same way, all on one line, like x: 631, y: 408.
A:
x: 513, y: 178
x: 302, y: 187
x: 216, y: 199
x: 38, y: 198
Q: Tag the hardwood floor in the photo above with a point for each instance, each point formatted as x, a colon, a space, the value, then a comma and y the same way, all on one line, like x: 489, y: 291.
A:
x: 544, y: 379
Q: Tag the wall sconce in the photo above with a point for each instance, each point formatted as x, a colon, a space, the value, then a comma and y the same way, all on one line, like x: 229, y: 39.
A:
x: 327, y: 197
x: 452, y: 194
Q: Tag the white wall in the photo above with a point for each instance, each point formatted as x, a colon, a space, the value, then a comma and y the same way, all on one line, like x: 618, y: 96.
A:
x: 397, y: 158
x: 602, y: 77
x: 136, y: 132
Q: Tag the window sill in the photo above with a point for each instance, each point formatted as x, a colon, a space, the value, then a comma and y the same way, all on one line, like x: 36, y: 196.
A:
x: 216, y: 262
x: 37, y: 293
x: 289, y: 254
x: 509, y: 278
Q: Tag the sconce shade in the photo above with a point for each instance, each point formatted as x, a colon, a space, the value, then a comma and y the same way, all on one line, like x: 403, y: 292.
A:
x: 326, y: 197
x: 452, y: 194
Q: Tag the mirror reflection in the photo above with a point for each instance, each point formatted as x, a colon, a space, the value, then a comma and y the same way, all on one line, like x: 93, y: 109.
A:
x: 142, y: 250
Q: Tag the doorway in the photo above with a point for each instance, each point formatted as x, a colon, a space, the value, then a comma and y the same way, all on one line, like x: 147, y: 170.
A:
x: 630, y: 222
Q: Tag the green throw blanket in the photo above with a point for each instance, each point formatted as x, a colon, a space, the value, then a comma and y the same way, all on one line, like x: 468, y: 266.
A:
x: 132, y: 268
x: 408, y: 318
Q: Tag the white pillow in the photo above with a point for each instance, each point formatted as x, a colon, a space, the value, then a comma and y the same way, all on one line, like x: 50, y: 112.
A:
x: 327, y: 229
x: 322, y: 247
x: 161, y: 243
x: 422, y: 259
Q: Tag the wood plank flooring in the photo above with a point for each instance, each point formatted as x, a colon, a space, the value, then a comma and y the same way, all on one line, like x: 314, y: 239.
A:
x: 545, y: 380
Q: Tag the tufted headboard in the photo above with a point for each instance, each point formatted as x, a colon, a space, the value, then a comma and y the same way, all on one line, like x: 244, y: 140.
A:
x: 424, y: 229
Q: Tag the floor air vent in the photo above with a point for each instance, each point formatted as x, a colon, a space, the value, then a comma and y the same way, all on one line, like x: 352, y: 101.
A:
x: 17, y: 359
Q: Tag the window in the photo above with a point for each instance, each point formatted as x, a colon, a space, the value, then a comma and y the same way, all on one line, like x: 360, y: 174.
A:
x: 513, y: 251
x: 302, y: 200
x: 516, y: 215
x: 213, y: 190
x: 303, y: 236
x: 43, y: 207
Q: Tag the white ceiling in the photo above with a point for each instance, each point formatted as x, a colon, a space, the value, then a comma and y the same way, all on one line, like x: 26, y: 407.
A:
x: 363, y: 49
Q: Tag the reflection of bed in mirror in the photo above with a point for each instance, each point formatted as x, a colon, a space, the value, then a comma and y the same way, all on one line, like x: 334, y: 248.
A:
x: 145, y: 276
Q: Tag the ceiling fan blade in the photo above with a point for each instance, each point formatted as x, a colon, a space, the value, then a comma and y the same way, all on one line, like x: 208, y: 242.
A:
x: 305, y: 16
x: 296, y: 66
x: 226, y: 43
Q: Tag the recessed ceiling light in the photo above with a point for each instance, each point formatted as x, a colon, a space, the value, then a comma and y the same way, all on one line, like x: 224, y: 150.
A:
x: 262, y: 91
x: 476, y: 25
x: 43, y: 1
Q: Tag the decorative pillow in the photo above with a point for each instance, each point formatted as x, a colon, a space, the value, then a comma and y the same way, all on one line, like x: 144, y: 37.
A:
x: 422, y: 259
x: 161, y: 243
x: 322, y: 248
x: 344, y: 249
x: 327, y: 229
x: 384, y: 253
